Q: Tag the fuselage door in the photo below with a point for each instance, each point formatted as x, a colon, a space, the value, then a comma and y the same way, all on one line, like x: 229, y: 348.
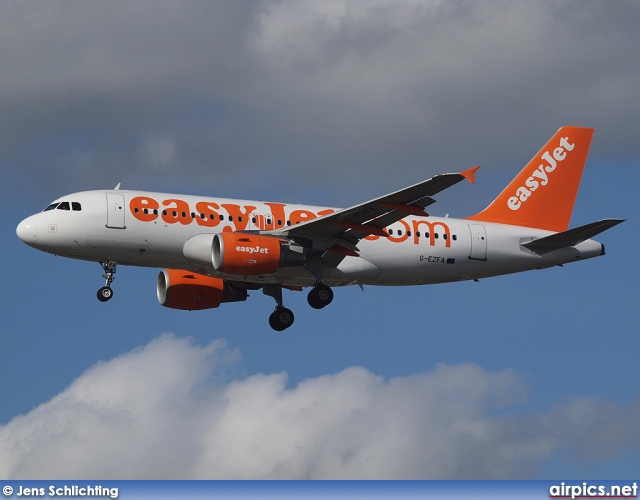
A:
x: 478, y: 242
x: 262, y: 222
x: 115, y: 211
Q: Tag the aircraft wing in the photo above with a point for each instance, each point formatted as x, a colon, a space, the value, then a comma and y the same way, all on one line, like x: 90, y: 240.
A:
x: 340, y: 231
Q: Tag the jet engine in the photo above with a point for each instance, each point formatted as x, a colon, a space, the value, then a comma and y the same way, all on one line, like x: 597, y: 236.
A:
x: 251, y: 254
x: 186, y: 290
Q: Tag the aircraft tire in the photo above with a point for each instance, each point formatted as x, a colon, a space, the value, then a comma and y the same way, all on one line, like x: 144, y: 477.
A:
x: 105, y: 293
x: 281, y: 319
x: 320, y: 296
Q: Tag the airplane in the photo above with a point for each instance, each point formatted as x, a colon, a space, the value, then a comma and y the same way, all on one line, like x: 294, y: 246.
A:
x: 215, y: 250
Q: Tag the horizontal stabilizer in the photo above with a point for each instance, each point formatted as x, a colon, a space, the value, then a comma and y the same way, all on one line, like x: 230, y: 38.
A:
x: 570, y: 237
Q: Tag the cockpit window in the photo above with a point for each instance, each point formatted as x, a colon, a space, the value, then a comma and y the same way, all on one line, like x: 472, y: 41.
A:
x: 65, y: 205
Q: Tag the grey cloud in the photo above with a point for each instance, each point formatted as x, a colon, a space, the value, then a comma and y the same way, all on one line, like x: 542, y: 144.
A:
x: 243, y: 94
x: 172, y: 409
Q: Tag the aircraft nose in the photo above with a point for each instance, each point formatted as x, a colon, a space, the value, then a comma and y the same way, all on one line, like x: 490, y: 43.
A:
x: 27, y: 230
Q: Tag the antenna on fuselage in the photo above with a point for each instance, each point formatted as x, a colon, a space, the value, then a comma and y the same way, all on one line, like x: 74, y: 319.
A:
x: 117, y: 188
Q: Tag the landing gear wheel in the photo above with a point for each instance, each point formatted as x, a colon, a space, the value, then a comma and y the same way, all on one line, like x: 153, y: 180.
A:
x: 281, y: 319
x: 320, y: 296
x: 105, y: 293
x: 109, y: 267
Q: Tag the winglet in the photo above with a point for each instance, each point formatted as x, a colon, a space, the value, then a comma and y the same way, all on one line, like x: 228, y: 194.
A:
x: 470, y: 174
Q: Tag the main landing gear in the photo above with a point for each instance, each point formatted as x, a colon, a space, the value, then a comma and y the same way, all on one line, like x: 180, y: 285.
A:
x: 109, y: 267
x: 320, y: 296
x: 282, y: 318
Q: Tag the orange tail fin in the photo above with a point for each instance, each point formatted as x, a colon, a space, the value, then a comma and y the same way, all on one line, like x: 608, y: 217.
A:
x: 544, y: 192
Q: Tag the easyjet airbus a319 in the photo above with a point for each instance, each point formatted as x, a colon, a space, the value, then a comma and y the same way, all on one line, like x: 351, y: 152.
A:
x: 216, y: 250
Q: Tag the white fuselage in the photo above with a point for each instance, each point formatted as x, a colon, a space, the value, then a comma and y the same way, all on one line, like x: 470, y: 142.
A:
x: 150, y: 229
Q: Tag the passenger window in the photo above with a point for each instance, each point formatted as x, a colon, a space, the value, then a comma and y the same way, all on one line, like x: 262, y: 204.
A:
x: 390, y: 232
x: 454, y: 237
x: 76, y: 206
x: 50, y: 207
x: 64, y: 206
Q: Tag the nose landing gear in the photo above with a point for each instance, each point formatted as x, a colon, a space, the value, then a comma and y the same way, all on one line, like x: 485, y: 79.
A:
x: 105, y: 293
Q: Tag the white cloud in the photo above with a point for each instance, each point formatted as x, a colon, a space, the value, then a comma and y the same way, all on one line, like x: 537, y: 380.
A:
x: 172, y: 409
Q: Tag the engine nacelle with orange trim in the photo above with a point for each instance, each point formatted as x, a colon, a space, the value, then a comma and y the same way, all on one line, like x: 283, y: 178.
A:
x: 186, y: 290
x: 251, y: 254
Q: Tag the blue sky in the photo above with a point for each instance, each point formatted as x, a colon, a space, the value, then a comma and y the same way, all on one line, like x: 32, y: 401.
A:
x: 525, y: 376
